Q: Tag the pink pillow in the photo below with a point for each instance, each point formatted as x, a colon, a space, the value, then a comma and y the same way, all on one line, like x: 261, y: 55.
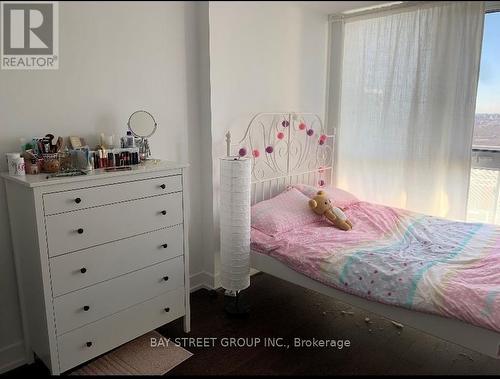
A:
x: 283, y: 212
x: 340, y: 198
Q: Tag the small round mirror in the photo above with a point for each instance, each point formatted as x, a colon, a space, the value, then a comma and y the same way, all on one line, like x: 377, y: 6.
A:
x: 142, y: 124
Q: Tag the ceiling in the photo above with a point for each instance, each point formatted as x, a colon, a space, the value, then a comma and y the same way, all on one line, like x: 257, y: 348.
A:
x: 332, y: 7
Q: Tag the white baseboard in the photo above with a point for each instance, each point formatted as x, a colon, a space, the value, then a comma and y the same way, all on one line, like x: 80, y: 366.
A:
x: 253, y: 271
x: 12, y: 356
x: 216, y: 283
x: 199, y: 280
x: 209, y: 281
x: 205, y: 280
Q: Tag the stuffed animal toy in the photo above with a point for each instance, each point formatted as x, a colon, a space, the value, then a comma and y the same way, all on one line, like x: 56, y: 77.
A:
x: 322, y: 205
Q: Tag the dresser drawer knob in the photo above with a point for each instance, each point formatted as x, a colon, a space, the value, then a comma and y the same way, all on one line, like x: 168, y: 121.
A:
x: 165, y: 245
x: 163, y: 213
x: 78, y: 200
x: 83, y: 270
x: 163, y: 186
x: 80, y: 231
x: 165, y: 278
x: 89, y: 344
x: 167, y: 309
x: 86, y: 308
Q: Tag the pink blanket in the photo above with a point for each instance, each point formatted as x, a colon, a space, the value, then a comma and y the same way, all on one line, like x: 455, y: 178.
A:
x: 400, y: 258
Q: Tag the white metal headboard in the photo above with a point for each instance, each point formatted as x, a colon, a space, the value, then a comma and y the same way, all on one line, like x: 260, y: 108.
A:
x: 286, y: 148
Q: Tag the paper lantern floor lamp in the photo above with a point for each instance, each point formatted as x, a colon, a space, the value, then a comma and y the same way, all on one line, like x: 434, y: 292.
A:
x: 235, y: 188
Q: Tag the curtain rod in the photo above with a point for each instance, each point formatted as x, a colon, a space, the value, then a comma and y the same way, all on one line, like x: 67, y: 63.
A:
x: 387, y: 10
x: 492, y: 6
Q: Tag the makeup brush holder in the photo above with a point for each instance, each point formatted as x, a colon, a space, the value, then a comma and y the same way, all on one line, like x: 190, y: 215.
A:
x: 65, y: 162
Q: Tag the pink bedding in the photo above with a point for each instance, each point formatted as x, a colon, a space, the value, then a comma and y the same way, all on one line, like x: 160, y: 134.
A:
x: 402, y: 258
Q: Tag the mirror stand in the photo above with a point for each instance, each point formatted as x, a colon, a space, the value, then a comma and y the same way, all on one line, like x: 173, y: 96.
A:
x: 142, y: 125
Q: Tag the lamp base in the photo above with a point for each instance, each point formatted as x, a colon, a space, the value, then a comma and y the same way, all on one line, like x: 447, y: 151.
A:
x: 235, y: 306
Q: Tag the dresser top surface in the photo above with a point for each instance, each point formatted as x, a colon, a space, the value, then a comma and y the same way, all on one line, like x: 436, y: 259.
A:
x: 45, y: 179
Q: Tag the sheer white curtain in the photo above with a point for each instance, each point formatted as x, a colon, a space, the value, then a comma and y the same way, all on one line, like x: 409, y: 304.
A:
x: 408, y: 91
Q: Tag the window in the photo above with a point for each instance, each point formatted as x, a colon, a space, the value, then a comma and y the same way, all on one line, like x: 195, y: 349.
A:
x: 484, y: 190
x: 487, y: 125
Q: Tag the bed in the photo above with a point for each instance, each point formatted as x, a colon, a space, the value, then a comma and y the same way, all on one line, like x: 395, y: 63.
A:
x: 435, y: 275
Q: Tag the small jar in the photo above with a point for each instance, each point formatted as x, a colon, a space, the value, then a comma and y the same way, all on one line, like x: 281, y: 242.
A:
x: 33, y: 166
x: 18, y: 166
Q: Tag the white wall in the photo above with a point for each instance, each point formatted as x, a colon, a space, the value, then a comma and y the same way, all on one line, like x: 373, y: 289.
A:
x: 115, y: 58
x: 264, y: 56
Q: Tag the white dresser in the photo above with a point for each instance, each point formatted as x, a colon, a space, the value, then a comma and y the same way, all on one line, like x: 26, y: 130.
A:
x: 100, y: 259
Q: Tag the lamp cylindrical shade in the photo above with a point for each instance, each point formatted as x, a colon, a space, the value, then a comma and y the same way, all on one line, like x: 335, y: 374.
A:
x: 235, y: 189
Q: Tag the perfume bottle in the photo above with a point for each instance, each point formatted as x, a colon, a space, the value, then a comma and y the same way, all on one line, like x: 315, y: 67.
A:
x: 130, y: 139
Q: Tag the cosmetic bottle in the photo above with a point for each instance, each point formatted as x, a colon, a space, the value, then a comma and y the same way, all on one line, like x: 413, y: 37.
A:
x: 90, y: 165
x: 130, y: 139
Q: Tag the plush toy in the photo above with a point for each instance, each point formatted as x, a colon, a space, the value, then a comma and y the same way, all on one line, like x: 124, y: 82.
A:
x: 322, y: 205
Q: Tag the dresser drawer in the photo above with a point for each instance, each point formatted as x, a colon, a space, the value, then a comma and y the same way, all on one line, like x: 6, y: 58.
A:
x: 115, y: 330
x: 113, y: 259
x: 82, y: 198
x: 90, y: 304
x: 67, y: 232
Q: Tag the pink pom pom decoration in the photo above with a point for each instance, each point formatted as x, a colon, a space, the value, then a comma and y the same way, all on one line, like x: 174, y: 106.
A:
x: 302, y: 126
x: 321, y: 183
x: 281, y: 135
x: 321, y: 142
x: 242, y: 152
x: 256, y: 153
x: 285, y: 123
x: 322, y: 137
x: 310, y: 132
x: 269, y: 149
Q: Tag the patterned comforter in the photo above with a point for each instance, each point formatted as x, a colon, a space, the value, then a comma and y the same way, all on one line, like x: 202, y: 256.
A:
x: 401, y: 258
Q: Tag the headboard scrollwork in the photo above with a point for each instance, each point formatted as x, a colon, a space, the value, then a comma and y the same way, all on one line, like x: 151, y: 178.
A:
x: 285, y: 148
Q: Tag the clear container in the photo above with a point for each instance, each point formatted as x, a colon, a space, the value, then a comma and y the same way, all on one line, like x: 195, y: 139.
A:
x: 130, y: 139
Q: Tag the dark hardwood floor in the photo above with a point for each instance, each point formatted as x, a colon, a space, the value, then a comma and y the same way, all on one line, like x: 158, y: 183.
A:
x: 283, y: 310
